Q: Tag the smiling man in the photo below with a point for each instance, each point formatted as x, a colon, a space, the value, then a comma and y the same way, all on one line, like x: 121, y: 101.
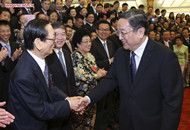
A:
x: 148, y: 76
x: 33, y: 99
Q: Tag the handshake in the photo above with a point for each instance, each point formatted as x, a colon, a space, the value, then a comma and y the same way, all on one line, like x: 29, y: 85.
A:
x: 78, y: 104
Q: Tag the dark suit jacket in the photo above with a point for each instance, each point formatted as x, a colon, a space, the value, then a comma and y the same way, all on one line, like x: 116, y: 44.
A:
x: 115, y: 39
x: 78, y: 9
x: 90, y: 9
x: 154, y: 100
x: 37, y: 5
x: 67, y: 48
x: 100, y: 54
x: 66, y: 84
x: 5, y: 72
x: 89, y: 28
x: 31, y: 101
x: 186, y: 43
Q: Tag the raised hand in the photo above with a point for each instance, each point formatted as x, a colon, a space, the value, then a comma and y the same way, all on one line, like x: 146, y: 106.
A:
x: 5, y: 117
x: 17, y: 53
x: 101, y: 73
x: 3, y: 54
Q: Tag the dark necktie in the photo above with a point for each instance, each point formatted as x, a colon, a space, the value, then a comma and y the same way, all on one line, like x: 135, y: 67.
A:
x: 133, y: 66
x: 46, y: 75
x: 62, y: 63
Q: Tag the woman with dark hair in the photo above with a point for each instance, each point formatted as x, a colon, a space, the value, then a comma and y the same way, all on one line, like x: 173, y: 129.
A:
x: 53, y: 16
x: 71, y: 12
x: 181, y: 52
x: 171, y: 16
x: 86, y: 75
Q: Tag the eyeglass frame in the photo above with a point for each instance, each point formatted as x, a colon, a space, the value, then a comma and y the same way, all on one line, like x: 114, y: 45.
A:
x: 122, y: 33
x: 52, y: 39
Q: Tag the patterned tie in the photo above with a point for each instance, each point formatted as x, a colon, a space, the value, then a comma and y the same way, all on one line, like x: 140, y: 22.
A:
x: 62, y: 63
x: 105, y: 48
x: 8, y: 50
x: 46, y: 75
x: 133, y: 66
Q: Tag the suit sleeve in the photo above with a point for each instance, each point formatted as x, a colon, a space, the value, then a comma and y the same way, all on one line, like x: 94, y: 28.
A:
x: 57, y: 94
x: 105, y: 86
x: 31, y: 100
x: 172, y: 89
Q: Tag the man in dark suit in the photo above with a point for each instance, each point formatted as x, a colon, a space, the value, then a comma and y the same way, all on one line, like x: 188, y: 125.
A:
x: 62, y: 72
x: 58, y: 9
x: 81, y: 5
x: 33, y: 99
x: 89, y: 22
x: 45, y: 6
x: 166, y: 39
x: 67, y: 5
x: 103, y: 51
x: 149, y: 78
x: 68, y: 43
x: 9, y: 63
x: 102, y: 48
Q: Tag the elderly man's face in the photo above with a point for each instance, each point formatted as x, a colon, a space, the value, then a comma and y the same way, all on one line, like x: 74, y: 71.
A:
x: 60, y: 38
x: 131, y: 39
x: 46, y: 47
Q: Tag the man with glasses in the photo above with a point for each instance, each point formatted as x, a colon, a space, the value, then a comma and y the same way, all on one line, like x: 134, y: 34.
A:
x: 33, y: 99
x: 103, y: 51
x: 61, y: 69
x: 149, y: 78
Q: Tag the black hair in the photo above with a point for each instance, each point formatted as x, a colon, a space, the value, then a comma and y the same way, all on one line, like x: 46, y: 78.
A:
x: 163, y: 10
x: 137, y: 19
x: 157, y: 10
x: 66, y: 19
x: 115, y: 2
x: 78, y: 35
x: 5, y: 10
x: 52, y: 11
x: 113, y: 20
x: 99, y: 5
x: 89, y: 14
x: 124, y: 4
x: 35, y: 29
x: 141, y: 6
x: 109, y: 13
x: 103, y: 22
x: 5, y: 23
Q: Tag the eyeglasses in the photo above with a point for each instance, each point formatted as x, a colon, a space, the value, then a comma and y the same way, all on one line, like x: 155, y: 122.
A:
x: 52, y: 39
x: 122, y: 33
x: 86, y: 41
x: 106, y: 30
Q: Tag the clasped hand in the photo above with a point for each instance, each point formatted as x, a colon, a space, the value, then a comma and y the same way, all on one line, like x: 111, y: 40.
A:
x: 78, y: 104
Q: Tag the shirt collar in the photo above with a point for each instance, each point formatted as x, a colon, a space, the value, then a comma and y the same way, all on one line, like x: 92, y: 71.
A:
x: 4, y: 44
x: 102, y: 40
x: 139, y: 51
x: 40, y: 62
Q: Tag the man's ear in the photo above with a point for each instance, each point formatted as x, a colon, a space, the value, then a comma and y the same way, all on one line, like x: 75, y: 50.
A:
x: 141, y: 32
x: 37, y: 43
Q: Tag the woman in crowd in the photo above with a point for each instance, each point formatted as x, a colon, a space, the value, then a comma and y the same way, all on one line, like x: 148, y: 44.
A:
x: 53, y: 16
x: 181, y: 52
x: 86, y: 75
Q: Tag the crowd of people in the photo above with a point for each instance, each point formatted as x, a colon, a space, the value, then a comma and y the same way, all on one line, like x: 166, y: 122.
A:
x: 78, y: 48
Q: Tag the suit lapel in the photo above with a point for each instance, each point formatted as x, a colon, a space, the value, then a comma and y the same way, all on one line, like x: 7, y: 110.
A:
x: 101, y: 47
x: 144, y: 62
x: 38, y: 73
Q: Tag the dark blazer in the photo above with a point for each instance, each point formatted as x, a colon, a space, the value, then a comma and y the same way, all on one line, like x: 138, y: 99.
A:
x: 24, y: 11
x: 66, y: 84
x: 186, y: 43
x: 67, y: 48
x: 37, y: 5
x: 89, y: 28
x: 30, y: 99
x: 90, y: 9
x: 100, y: 54
x: 5, y: 72
x: 78, y: 8
x: 170, y: 44
x: 154, y: 100
x: 115, y: 39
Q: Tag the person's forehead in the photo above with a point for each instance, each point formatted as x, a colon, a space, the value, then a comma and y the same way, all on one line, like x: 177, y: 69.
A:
x: 104, y: 25
x: 3, y: 27
x: 59, y: 30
